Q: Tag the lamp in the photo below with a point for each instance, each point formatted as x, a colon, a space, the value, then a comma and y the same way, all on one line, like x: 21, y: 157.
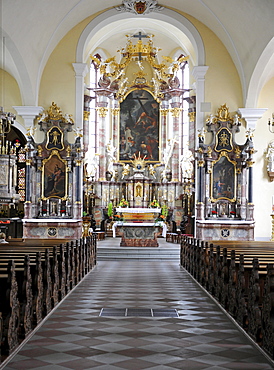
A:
x: 271, y: 125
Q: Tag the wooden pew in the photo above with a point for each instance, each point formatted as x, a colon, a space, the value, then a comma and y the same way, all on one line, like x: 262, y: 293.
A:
x: 240, y: 276
x: 40, y: 277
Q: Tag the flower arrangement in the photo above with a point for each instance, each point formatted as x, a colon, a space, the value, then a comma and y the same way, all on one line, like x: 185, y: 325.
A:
x: 123, y: 203
x: 214, y: 212
x: 160, y: 218
x: 154, y: 204
x: 118, y: 217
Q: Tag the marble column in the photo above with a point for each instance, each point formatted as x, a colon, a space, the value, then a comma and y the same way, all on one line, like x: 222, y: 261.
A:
x: 102, y: 112
x: 163, y: 127
x: 115, y: 124
x: 87, y: 100
x: 176, y: 113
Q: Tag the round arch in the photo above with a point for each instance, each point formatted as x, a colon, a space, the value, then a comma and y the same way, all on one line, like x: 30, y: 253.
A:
x: 112, y: 15
x: 166, y: 15
x: 263, y: 71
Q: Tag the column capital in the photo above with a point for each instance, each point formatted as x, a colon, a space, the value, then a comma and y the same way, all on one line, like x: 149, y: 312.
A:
x: 80, y: 69
x: 199, y: 72
x: 251, y: 115
x: 28, y: 113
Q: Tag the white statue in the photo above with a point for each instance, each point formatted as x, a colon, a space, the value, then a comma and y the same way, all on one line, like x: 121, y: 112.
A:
x: 125, y: 170
x: 168, y: 152
x: 92, y: 165
x: 152, y: 171
x: 270, y: 157
x: 187, y: 164
x: 110, y: 156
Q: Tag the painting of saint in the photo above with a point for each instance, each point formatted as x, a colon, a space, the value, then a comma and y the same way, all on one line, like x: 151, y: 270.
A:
x: 54, y: 178
x: 139, y: 127
x: 223, y: 181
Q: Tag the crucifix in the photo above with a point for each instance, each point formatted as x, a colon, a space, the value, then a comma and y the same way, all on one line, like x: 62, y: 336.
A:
x: 140, y: 37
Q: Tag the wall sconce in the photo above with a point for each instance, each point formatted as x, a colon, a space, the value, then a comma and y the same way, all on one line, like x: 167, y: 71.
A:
x: 271, y: 125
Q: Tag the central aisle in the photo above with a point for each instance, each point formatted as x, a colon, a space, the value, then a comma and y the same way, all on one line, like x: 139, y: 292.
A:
x: 75, y: 336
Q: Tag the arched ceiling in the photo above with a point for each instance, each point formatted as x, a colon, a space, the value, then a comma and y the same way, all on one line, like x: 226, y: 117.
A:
x: 167, y: 37
x: 33, y: 29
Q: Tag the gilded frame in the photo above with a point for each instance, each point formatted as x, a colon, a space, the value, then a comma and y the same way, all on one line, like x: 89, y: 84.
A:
x: 54, y: 177
x: 223, y: 179
x: 140, y: 127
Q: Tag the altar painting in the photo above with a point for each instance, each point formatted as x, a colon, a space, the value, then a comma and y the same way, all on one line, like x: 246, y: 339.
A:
x: 54, y: 178
x: 223, y: 179
x: 139, y: 127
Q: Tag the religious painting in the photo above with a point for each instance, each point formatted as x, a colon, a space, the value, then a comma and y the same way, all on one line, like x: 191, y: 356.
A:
x: 54, y: 177
x: 223, y: 179
x: 139, y: 127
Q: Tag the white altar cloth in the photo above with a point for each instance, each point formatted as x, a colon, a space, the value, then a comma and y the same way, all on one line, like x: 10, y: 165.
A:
x: 158, y: 223
x: 138, y: 210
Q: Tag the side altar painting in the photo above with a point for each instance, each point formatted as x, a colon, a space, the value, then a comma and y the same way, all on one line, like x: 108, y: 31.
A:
x: 139, y: 127
x: 54, y: 177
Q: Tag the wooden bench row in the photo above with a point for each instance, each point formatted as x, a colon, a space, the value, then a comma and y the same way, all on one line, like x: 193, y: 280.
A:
x: 241, y: 279
x: 31, y: 285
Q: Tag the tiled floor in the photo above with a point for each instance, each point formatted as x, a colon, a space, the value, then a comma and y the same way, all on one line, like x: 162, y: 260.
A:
x: 75, y: 336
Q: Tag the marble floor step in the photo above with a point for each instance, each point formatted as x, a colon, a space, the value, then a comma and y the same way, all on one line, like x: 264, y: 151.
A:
x: 137, y: 253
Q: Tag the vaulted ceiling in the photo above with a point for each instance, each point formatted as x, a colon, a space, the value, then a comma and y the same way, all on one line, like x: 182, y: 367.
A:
x: 31, y: 30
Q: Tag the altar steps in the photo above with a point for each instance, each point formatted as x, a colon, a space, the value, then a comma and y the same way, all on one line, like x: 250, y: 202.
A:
x: 109, y: 249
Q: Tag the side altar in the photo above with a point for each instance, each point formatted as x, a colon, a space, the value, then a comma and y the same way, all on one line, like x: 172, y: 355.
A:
x: 225, y: 188
x: 139, y: 228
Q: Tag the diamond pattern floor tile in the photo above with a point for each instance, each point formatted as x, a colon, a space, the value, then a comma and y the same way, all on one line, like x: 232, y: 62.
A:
x: 77, y: 336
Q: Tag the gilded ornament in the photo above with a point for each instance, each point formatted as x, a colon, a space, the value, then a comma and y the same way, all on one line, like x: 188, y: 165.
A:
x: 86, y: 115
x: 115, y: 111
x: 191, y: 116
x: 102, y: 111
x: 175, y: 112
x: 39, y: 150
x: 164, y: 112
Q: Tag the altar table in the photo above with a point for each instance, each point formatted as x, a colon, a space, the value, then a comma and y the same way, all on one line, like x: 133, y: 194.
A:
x: 143, y: 234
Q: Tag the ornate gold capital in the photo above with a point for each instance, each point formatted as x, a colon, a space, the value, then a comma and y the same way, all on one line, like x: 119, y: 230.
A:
x: 175, y: 112
x: 164, y: 112
x: 78, y: 162
x: 102, y: 111
x: 86, y: 115
x: 115, y: 111
x: 201, y: 163
x: 28, y: 162
x: 191, y: 116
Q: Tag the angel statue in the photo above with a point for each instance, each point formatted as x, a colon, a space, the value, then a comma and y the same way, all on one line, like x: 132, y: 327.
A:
x: 125, y: 170
x: 151, y: 170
